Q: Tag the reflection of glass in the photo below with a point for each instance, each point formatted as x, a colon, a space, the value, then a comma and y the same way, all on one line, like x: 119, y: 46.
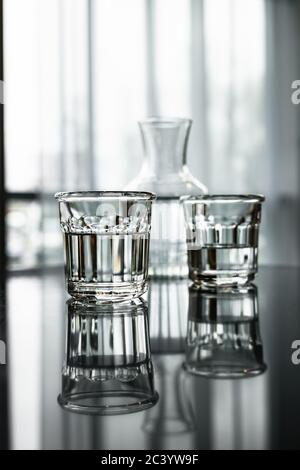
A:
x: 222, y: 238
x: 106, y: 240
x: 168, y: 305
x: 108, y: 368
x: 223, y: 338
x: 165, y: 173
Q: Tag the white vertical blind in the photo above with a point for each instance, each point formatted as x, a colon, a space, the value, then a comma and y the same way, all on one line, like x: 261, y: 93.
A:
x: 21, y: 73
x: 81, y: 73
x: 119, y: 89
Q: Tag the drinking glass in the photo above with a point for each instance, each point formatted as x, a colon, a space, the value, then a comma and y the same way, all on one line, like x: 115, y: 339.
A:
x: 108, y: 368
x: 106, y: 243
x: 223, y: 335
x: 222, y: 238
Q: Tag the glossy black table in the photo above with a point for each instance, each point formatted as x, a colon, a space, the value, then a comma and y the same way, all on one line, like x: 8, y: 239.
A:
x: 258, y: 412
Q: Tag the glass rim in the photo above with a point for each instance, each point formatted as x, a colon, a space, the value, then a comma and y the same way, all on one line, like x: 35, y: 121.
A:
x: 102, y: 195
x: 164, y: 120
x: 223, y: 198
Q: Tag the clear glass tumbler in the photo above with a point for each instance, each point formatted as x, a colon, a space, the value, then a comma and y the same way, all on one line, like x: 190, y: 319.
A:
x: 108, y: 368
x: 106, y: 243
x: 222, y: 238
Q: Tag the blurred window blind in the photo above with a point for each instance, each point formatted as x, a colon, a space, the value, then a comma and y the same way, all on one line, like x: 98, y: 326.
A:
x: 80, y: 73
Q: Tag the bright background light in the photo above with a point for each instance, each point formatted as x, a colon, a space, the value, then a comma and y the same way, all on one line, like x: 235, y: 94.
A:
x: 80, y: 73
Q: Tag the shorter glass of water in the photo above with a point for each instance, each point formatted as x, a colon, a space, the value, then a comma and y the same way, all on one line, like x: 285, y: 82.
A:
x: 222, y: 238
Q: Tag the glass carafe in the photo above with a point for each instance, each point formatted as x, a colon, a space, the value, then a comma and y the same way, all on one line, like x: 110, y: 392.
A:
x: 165, y: 173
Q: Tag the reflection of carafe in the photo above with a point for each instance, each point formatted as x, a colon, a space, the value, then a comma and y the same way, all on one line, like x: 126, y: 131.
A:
x: 223, y: 337
x: 165, y: 173
x: 172, y: 419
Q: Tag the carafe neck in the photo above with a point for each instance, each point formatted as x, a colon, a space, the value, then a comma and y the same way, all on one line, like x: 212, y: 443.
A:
x: 165, y: 144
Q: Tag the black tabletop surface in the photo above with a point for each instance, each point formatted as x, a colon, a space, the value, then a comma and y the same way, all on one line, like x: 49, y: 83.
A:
x: 254, y: 332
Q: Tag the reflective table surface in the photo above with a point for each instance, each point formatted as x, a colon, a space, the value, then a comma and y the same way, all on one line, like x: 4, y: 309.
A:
x: 186, y: 369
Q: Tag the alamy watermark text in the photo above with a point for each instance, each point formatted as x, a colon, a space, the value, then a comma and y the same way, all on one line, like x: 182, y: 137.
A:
x: 295, y: 357
x: 295, y: 97
x: 2, y: 353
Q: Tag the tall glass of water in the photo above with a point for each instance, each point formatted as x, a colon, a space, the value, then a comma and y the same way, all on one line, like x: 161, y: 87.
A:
x: 106, y: 243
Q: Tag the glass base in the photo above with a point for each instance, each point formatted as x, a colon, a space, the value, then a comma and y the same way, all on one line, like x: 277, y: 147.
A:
x: 108, y: 403
x: 224, y: 371
x: 109, y: 292
x: 221, y: 279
